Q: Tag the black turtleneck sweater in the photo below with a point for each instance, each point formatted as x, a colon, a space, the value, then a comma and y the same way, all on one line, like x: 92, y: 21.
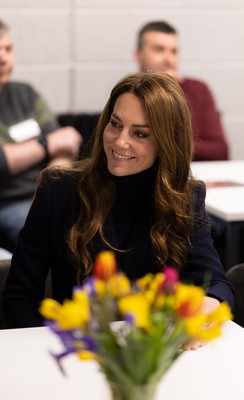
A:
x: 132, y: 221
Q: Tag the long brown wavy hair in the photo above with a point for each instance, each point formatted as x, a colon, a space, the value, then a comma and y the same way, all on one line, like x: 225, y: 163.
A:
x: 170, y: 123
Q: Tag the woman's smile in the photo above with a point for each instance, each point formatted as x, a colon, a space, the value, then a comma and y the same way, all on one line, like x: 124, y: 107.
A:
x: 121, y: 156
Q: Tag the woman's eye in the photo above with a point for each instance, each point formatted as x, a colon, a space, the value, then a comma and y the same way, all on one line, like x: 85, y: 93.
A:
x: 114, y: 124
x: 141, y: 134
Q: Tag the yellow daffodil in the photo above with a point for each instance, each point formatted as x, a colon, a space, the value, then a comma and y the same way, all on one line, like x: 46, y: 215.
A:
x: 208, y: 326
x: 70, y: 316
x: 93, y: 287
x: 50, y: 308
x: 188, y: 300
x: 119, y: 285
x: 194, y: 325
x: 74, y: 314
x: 160, y: 301
x: 145, y: 281
x: 80, y: 297
x: 150, y: 286
x: 157, y: 282
x: 100, y: 288
x: 136, y: 306
x: 221, y: 314
x: 150, y: 296
x: 210, y: 333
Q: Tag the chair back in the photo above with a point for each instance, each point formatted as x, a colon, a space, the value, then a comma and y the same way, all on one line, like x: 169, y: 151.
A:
x: 236, y: 277
x: 4, y: 269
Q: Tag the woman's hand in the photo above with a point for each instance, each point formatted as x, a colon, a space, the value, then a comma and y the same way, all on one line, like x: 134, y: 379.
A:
x: 209, y: 305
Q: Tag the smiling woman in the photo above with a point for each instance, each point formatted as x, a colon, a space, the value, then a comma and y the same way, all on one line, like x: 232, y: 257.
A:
x: 134, y: 195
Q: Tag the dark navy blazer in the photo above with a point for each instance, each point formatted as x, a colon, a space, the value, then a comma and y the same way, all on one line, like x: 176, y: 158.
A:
x: 42, y: 245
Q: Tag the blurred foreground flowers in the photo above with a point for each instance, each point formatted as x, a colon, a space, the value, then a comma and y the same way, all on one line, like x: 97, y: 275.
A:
x: 156, y: 316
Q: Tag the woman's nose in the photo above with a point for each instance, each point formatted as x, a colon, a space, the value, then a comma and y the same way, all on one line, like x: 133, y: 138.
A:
x: 123, y: 138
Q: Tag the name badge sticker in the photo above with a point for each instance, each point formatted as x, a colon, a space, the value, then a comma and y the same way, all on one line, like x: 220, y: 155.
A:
x: 24, y: 130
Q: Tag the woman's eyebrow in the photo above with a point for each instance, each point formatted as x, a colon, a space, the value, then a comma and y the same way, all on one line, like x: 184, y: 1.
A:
x: 134, y: 125
x: 115, y: 116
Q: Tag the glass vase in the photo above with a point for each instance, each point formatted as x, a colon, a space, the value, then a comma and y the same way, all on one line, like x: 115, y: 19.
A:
x: 133, y: 392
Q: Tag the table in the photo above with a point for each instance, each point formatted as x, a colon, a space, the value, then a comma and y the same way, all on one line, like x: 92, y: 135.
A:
x: 28, y: 372
x: 225, y: 202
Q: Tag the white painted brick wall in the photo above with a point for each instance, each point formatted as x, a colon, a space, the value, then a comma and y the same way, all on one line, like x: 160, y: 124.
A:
x: 73, y: 51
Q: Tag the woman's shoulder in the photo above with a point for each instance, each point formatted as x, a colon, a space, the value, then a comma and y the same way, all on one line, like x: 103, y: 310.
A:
x: 58, y: 185
x: 58, y: 177
x: 198, y: 190
x: 58, y: 191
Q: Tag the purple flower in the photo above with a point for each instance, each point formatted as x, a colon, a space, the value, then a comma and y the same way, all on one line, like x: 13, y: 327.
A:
x: 88, y: 286
x: 73, y: 341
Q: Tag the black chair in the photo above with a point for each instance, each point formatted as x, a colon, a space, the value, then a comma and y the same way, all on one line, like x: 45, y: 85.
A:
x: 4, y: 269
x: 236, y: 276
x: 5, y: 243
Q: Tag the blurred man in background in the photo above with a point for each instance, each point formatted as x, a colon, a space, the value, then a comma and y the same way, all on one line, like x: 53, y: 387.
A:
x: 30, y: 139
x: 158, y: 50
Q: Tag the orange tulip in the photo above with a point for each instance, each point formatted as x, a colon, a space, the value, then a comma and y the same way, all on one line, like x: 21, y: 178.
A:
x: 105, y: 265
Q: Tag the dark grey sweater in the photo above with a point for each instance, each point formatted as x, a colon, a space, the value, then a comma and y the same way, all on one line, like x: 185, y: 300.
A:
x: 18, y: 102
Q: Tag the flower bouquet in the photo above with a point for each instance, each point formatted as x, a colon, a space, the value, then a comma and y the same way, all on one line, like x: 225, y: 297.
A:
x: 156, y: 317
